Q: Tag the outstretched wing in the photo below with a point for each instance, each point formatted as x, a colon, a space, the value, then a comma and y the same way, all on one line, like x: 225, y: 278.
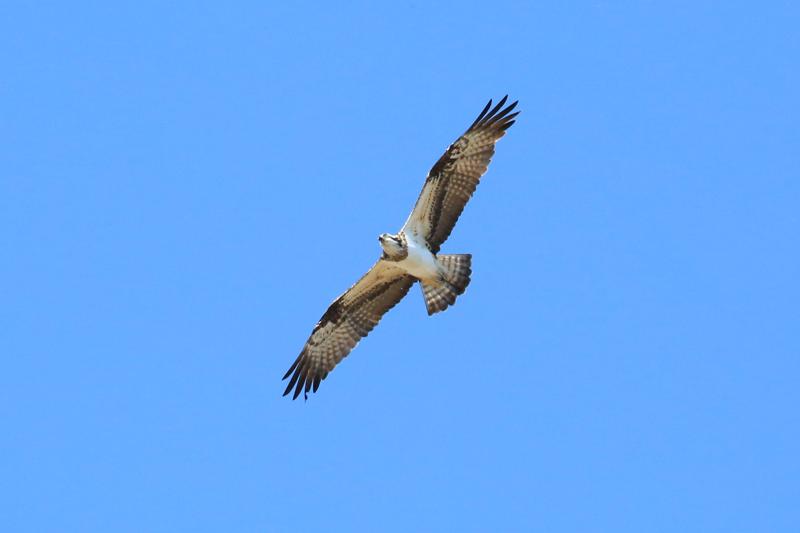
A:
x: 348, y: 319
x: 454, y: 177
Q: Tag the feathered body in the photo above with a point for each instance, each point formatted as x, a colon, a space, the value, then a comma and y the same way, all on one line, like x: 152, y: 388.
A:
x: 409, y: 256
x: 410, y: 253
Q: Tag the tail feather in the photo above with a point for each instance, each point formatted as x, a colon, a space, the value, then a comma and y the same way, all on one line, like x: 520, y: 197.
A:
x: 458, y: 268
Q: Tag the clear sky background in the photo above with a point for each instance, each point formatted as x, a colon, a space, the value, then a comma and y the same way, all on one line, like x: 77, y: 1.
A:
x: 185, y: 187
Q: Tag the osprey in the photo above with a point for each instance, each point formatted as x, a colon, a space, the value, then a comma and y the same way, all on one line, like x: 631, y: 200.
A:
x: 409, y: 256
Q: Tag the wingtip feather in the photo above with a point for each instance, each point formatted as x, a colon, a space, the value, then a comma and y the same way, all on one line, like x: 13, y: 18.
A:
x: 506, y: 111
x: 298, y: 388
x: 482, y: 114
x: 492, y: 116
x: 496, y: 108
x: 294, y: 365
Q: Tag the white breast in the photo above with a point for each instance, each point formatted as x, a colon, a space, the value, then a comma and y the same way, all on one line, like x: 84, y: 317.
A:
x: 420, y: 262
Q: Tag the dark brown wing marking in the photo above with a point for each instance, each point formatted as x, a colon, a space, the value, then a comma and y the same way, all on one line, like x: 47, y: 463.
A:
x: 453, y: 179
x: 348, y: 319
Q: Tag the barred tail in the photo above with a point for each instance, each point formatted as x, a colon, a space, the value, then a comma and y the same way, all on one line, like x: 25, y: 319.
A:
x: 457, y: 271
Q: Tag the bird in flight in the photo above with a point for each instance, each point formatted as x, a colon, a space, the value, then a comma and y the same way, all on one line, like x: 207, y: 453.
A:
x: 409, y: 256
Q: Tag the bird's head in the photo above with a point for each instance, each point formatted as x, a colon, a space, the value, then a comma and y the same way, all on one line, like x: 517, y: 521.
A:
x: 394, y: 246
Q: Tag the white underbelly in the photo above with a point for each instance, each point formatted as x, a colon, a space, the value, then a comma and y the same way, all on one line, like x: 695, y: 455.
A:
x: 420, y: 263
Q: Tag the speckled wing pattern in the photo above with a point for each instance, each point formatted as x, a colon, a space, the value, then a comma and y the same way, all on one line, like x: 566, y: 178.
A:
x: 454, y: 177
x: 348, y: 319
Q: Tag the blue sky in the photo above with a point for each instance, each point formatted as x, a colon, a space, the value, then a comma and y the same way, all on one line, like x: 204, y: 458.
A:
x: 186, y: 186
